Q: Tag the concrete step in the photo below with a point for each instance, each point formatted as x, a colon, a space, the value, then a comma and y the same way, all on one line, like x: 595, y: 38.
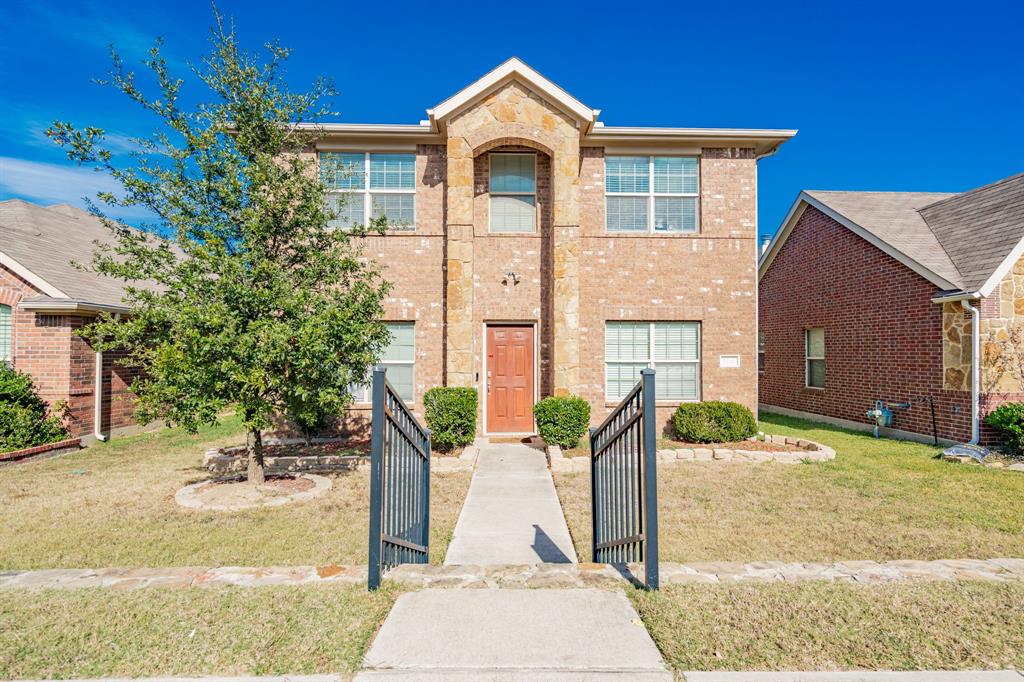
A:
x: 511, y: 635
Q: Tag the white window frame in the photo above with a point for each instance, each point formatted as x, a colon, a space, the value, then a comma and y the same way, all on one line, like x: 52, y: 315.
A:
x: 761, y: 354
x: 650, y: 195
x: 366, y: 193
x: 361, y: 392
x: 491, y: 195
x: 652, y: 364
x: 8, y: 331
x: 808, y: 357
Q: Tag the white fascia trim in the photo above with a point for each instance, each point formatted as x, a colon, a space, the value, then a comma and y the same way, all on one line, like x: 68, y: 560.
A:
x: 957, y: 296
x: 510, y: 69
x: 807, y: 199
x: 70, y: 306
x: 423, y: 130
x: 1004, y: 268
x: 729, y: 133
x: 30, y: 277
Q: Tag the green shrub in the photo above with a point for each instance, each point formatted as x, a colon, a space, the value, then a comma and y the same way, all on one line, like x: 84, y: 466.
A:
x: 1008, y: 420
x: 451, y: 415
x: 25, y: 420
x: 562, y: 420
x: 714, y: 421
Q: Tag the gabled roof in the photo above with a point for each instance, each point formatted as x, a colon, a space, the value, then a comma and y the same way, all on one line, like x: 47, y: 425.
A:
x: 963, y: 242
x: 431, y: 131
x: 981, y: 230
x: 39, y: 244
x: 513, y: 69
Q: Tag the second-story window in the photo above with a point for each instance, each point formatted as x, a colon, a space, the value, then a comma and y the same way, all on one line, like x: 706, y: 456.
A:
x: 651, y: 193
x: 367, y: 185
x: 513, y: 190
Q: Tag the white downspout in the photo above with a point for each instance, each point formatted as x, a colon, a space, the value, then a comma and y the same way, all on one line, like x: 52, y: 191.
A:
x: 97, y: 406
x: 975, y: 370
x: 97, y: 415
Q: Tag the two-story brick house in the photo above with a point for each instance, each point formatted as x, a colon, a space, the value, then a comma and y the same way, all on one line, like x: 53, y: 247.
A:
x: 535, y: 251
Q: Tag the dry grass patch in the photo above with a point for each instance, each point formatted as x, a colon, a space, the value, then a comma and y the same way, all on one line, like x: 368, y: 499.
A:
x: 62, y: 634
x: 113, y: 505
x: 879, y: 499
x: 837, y: 626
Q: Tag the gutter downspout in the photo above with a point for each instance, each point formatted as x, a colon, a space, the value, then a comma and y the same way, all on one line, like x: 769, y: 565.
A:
x: 975, y: 370
x: 97, y: 414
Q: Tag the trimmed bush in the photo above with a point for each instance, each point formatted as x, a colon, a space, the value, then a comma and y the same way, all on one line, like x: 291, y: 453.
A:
x: 1008, y: 420
x: 25, y: 419
x: 562, y: 420
x: 451, y: 415
x: 714, y: 421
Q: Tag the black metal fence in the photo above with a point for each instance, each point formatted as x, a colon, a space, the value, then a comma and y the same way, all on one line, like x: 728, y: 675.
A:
x: 399, y: 483
x: 623, y: 482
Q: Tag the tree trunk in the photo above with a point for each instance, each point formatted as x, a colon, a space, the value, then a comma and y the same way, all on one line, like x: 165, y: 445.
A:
x: 254, y: 447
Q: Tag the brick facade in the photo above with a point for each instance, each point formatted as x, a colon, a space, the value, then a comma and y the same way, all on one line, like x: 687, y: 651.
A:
x: 62, y: 364
x: 883, y: 335
x: 449, y: 272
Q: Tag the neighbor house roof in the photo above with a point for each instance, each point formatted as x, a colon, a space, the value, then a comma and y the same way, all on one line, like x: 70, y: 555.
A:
x: 960, y: 242
x: 39, y: 244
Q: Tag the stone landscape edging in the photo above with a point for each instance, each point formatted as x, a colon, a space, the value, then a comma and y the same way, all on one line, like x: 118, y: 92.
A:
x: 231, y: 460
x: 810, y: 451
x: 188, y: 497
x: 521, y: 576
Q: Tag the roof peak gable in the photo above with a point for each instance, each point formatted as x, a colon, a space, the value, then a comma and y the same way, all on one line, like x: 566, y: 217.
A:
x: 513, y: 69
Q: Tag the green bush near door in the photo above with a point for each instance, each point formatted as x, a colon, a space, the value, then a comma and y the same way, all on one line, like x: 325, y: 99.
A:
x: 562, y: 420
x: 450, y: 412
x: 714, y: 421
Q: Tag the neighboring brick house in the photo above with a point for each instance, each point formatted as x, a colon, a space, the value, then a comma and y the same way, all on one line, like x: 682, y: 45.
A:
x: 869, y: 296
x: 44, y: 300
x: 535, y: 251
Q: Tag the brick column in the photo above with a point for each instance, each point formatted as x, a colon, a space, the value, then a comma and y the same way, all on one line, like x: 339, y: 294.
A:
x: 459, y: 264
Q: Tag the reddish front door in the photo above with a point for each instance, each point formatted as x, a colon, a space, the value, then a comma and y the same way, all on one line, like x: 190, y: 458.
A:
x: 509, y: 379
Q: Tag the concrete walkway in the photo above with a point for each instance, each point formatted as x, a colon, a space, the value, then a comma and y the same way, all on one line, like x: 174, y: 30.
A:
x: 512, y: 635
x: 511, y: 514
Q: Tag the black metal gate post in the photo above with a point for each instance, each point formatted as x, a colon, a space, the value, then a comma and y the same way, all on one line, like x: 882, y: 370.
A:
x: 399, y: 483
x: 624, y: 482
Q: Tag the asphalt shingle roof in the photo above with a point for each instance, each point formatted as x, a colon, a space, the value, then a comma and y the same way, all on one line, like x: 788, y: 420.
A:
x: 45, y: 240
x: 963, y: 238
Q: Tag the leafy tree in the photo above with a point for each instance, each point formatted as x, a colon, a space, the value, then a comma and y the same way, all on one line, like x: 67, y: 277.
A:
x: 249, y: 300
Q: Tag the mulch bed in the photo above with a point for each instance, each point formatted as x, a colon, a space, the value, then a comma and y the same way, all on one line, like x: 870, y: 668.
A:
x: 751, y: 445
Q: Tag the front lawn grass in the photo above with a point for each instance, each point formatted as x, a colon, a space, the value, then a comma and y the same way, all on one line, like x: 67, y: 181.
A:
x: 63, y: 634
x: 837, y: 626
x: 879, y: 499
x: 113, y: 505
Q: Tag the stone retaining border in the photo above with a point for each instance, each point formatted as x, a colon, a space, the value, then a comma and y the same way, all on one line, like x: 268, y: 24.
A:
x: 810, y: 452
x: 520, y: 576
x: 231, y: 460
x: 188, y: 496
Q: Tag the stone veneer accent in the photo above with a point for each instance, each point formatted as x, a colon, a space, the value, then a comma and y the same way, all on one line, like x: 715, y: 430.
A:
x: 519, y: 576
x: 511, y: 116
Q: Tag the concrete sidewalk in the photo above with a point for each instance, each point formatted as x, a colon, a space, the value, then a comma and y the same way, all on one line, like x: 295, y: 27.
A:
x: 511, y: 514
x: 574, y: 634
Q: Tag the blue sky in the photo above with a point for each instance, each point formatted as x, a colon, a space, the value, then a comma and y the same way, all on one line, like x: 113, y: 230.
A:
x: 887, y: 96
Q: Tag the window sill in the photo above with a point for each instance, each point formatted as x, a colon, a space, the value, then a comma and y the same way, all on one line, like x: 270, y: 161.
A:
x: 814, y: 388
x: 669, y: 235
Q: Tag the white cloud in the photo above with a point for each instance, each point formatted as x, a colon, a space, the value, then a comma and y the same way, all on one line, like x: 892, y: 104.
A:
x: 51, y: 183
